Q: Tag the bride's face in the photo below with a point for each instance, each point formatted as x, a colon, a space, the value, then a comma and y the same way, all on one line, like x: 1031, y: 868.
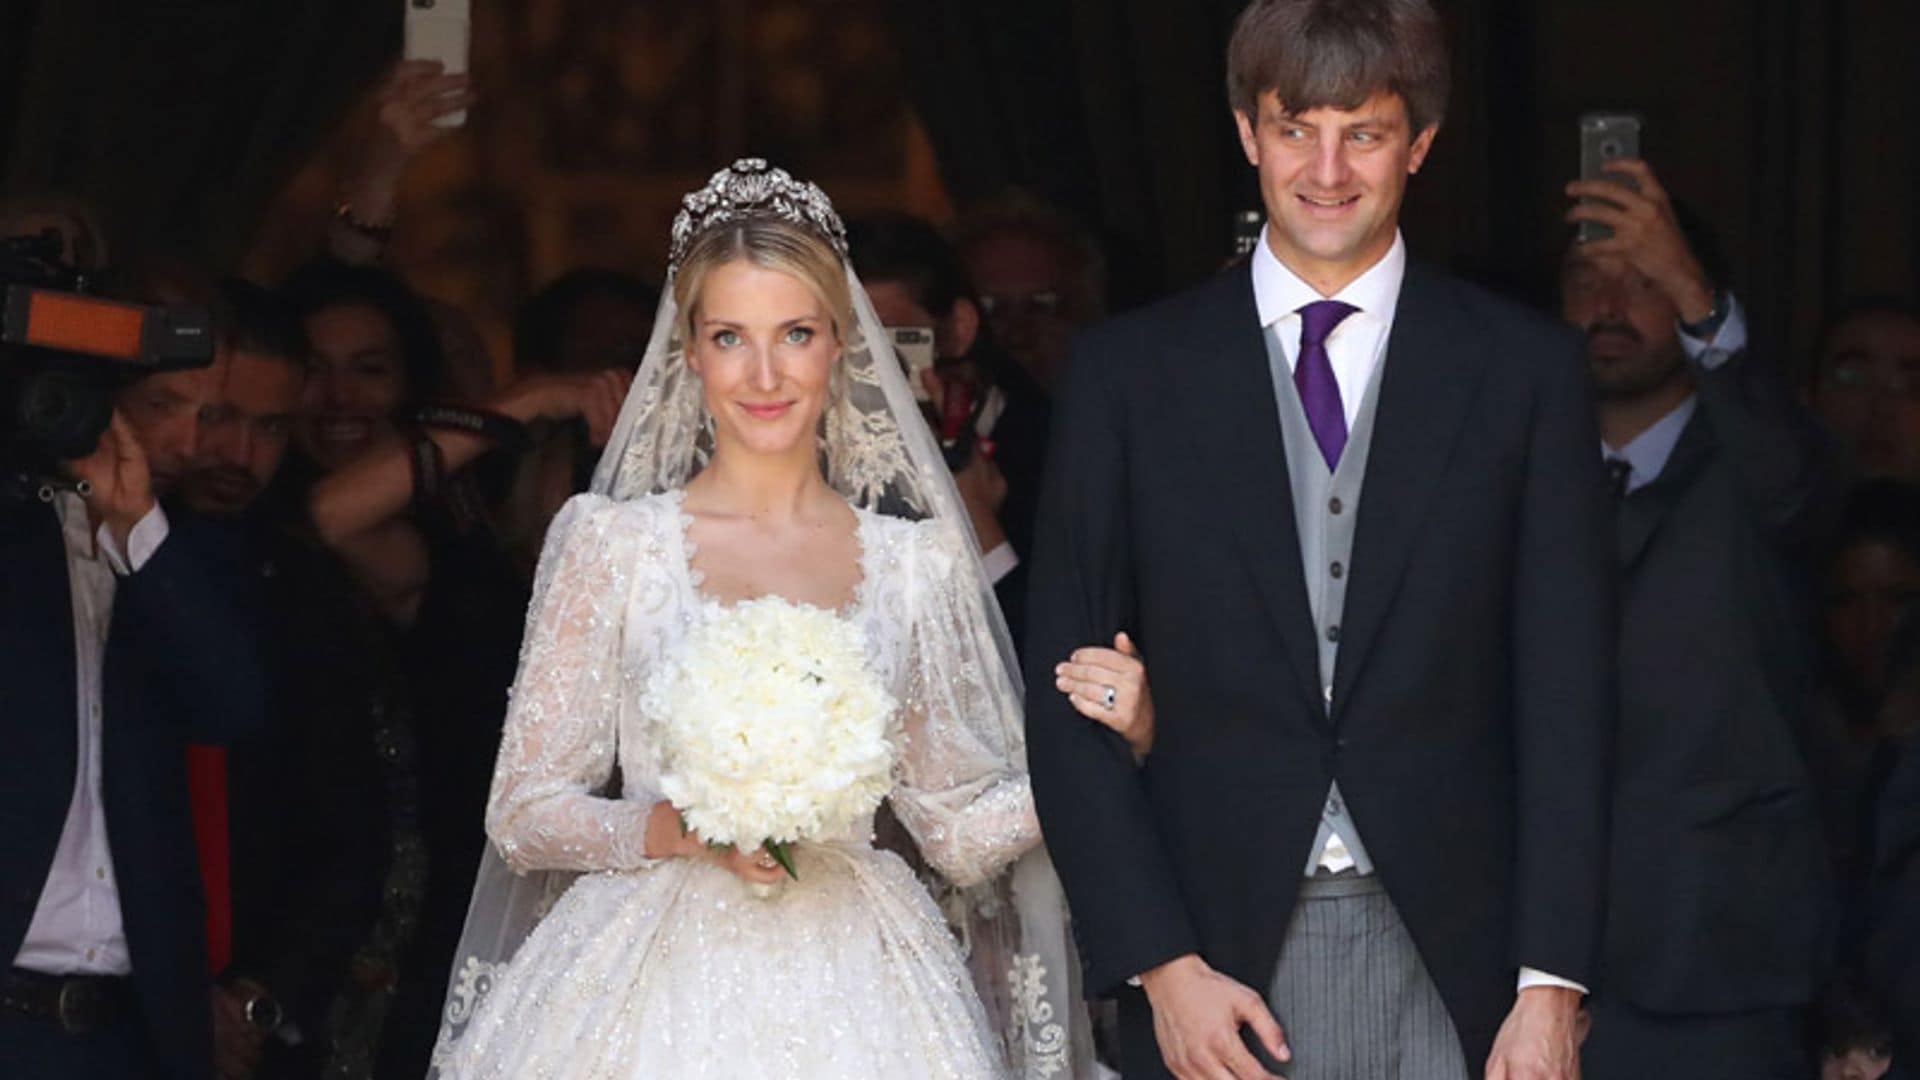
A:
x: 764, y: 347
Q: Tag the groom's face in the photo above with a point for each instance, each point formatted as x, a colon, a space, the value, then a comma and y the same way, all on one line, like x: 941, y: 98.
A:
x: 1332, y: 180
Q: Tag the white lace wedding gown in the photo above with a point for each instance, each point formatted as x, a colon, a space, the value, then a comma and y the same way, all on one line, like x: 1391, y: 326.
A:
x: 674, y: 969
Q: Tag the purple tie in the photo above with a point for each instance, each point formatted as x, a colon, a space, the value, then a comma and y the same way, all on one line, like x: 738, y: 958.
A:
x: 1313, y: 375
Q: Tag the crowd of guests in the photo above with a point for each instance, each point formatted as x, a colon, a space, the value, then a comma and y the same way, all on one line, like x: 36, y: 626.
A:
x: 345, y: 501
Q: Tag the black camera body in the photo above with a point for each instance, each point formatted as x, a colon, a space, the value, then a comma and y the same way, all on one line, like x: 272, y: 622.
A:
x: 65, y: 352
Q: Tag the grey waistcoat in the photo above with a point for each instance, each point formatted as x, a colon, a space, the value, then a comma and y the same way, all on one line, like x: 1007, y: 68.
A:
x: 1326, y: 550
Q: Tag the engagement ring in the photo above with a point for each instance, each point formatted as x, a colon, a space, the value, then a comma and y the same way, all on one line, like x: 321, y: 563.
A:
x: 1112, y: 695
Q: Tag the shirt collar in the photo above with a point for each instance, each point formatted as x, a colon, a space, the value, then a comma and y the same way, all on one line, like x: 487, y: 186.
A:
x: 1279, y: 292
x: 76, y: 527
x: 1648, y: 451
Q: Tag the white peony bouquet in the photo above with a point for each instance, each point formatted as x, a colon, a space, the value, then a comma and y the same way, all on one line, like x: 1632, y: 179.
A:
x: 771, y: 727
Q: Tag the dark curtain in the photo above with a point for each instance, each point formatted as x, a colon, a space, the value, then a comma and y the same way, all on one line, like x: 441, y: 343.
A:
x: 1789, y: 125
x: 1112, y: 110
x: 180, y: 119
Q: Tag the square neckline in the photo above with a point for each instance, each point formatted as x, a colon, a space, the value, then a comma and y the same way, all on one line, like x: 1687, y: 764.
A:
x: 849, y: 610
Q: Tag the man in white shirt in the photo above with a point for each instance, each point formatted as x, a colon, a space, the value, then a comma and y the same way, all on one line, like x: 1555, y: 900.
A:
x: 126, y: 633
x: 1349, y: 508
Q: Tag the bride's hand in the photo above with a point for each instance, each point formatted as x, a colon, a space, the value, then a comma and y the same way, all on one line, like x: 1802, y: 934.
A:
x: 1110, y: 686
x: 754, y: 867
x: 668, y: 838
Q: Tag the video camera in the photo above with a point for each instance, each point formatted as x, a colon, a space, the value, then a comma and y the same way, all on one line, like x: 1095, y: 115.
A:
x: 63, y: 354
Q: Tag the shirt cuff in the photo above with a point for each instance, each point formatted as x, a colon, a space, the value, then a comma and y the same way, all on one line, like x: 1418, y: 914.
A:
x: 1725, y: 343
x: 142, y: 541
x: 999, y: 562
x: 1531, y: 977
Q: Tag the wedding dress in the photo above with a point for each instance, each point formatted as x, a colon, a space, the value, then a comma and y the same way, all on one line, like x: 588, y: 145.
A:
x: 674, y: 968
x: 582, y: 958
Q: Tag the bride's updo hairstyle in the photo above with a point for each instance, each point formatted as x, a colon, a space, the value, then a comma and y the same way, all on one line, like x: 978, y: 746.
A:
x: 771, y: 243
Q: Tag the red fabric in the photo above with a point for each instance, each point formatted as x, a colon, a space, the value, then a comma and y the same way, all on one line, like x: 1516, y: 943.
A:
x: 207, y: 792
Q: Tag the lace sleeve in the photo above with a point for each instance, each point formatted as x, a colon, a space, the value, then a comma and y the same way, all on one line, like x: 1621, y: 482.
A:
x: 962, y: 789
x: 559, y: 745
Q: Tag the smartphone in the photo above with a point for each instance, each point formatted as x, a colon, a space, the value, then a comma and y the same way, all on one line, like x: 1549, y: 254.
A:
x: 440, y: 30
x: 1606, y: 137
x: 914, y: 346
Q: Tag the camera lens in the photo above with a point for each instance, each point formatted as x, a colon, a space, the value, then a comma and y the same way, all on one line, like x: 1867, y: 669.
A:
x: 58, y: 412
x: 1611, y: 149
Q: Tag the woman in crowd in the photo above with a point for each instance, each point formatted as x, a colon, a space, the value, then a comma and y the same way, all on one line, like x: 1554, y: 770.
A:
x: 386, y: 481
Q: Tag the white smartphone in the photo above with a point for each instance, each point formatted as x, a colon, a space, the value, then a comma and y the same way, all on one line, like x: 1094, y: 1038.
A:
x: 440, y: 30
x: 914, y: 346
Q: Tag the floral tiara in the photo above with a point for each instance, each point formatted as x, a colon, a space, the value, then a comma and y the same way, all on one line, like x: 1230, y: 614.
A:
x: 752, y: 188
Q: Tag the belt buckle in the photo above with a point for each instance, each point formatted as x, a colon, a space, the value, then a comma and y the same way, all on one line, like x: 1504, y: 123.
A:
x: 76, y: 1010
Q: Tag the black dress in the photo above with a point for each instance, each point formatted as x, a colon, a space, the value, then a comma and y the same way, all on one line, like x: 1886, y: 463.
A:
x: 457, y: 662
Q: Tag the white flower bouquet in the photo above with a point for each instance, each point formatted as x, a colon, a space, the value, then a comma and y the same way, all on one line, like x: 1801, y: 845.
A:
x: 771, y: 727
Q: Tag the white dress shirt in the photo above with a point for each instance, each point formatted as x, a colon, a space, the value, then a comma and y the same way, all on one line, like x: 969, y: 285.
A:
x: 1646, y: 454
x: 1358, y: 346
x: 1356, y: 349
x: 76, y: 927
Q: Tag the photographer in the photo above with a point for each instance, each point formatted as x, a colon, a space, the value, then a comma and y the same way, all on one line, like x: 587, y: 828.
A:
x: 310, y: 813
x: 915, y: 280
x: 127, y: 634
x: 1718, y: 902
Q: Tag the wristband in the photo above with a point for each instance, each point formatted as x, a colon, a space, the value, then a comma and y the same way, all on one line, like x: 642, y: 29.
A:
x: 503, y: 432
x: 429, y: 469
x: 379, y: 234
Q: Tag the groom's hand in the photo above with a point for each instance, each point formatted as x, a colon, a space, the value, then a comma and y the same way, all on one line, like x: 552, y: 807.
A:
x: 1538, y: 1041
x: 1197, y: 1013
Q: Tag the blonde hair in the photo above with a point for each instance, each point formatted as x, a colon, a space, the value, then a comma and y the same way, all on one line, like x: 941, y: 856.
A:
x: 770, y: 243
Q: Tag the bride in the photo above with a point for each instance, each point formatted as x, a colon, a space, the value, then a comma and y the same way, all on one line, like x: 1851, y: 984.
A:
x: 770, y: 447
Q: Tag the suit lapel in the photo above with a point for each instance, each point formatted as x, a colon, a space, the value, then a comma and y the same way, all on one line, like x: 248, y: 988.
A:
x: 1224, y: 391
x: 1431, y: 373
x: 1639, y: 515
x: 38, y: 631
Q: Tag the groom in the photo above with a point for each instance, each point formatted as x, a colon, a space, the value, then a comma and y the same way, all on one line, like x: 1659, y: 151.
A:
x: 1351, y: 511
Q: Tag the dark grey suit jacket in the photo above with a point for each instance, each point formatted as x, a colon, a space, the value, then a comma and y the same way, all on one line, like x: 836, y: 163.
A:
x: 1719, y: 887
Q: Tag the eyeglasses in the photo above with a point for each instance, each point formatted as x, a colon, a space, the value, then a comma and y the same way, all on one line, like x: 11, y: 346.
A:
x: 1046, y: 302
x: 1859, y: 378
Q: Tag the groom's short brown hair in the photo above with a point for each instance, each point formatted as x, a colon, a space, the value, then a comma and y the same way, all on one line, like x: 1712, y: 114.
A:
x: 1337, y: 54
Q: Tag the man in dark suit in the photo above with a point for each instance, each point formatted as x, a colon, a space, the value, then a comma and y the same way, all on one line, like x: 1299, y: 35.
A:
x: 915, y: 279
x: 1718, y: 913
x: 307, y: 842
x: 126, y: 634
x: 1350, y: 510
x: 1892, y: 948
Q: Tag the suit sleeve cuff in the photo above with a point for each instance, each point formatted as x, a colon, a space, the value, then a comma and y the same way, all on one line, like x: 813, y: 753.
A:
x: 1727, y: 342
x: 143, y: 540
x: 999, y: 562
x: 1531, y: 977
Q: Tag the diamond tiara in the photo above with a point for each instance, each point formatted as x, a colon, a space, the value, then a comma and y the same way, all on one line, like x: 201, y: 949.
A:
x: 750, y: 187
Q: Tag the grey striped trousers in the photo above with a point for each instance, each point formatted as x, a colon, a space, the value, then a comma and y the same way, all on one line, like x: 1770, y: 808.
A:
x: 1352, y: 994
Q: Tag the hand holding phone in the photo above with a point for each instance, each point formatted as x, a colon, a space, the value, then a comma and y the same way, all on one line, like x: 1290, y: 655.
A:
x: 1606, y: 137
x: 440, y: 30
x: 914, y: 346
